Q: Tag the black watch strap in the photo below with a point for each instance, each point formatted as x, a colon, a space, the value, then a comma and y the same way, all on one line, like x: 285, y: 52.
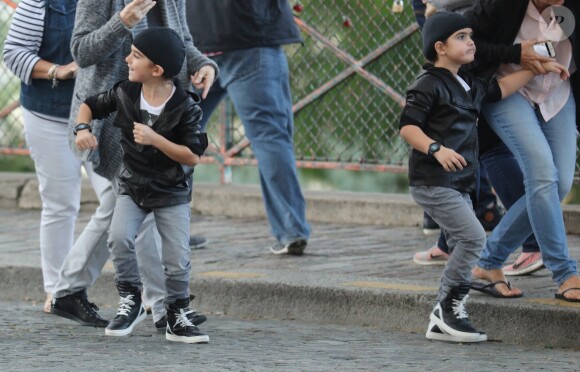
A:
x: 82, y: 126
x: 433, y: 148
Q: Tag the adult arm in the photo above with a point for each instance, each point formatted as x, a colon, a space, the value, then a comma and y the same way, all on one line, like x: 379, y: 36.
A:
x: 23, y: 44
x: 98, y: 32
x: 24, y: 39
x: 486, y: 17
x: 203, y: 70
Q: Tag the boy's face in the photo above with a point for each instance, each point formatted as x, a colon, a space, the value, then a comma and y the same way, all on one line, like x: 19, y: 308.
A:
x: 141, y: 68
x: 460, y: 47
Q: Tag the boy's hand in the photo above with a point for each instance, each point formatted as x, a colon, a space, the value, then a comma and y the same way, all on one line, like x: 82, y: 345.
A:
x: 553, y: 66
x: 143, y: 134
x: 135, y: 11
x: 450, y: 160
x: 85, y: 140
x: 203, y: 79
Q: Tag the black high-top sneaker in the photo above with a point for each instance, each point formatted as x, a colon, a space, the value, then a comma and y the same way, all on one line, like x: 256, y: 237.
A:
x: 194, y: 317
x: 450, y: 318
x: 131, y: 311
x: 77, y: 307
x: 179, y: 327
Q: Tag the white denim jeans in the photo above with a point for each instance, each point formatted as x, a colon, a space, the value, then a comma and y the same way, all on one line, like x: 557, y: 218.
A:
x: 59, y: 176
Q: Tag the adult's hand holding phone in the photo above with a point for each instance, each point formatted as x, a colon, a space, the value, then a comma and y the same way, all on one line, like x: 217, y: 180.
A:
x: 531, y: 60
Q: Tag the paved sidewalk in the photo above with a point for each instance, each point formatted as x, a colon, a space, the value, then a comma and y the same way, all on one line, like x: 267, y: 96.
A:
x: 32, y: 341
x: 351, y: 274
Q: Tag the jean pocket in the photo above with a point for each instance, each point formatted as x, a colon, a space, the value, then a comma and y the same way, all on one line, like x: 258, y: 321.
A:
x: 240, y: 64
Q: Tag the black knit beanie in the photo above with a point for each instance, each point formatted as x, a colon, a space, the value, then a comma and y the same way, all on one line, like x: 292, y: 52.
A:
x: 439, y: 27
x: 162, y: 46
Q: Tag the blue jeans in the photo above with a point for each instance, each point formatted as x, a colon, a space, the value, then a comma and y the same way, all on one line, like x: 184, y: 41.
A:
x: 504, y: 174
x: 173, y: 226
x: 506, y: 177
x: 546, y: 153
x: 257, y: 82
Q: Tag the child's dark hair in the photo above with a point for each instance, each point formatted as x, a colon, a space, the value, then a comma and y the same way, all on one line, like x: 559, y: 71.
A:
x: 439, y: 27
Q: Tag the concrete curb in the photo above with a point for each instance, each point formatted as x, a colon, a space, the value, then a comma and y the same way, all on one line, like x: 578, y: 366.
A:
x: 392, y: 310
x: 20, y: 190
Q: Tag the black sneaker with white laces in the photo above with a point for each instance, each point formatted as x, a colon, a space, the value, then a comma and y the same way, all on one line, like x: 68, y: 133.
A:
x: 179, y: 327
x: 194, y: 317
x: 77, y: 307
x: 131, y: 311
x: 449, y: 318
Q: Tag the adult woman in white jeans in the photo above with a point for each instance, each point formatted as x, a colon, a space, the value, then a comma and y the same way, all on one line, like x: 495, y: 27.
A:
x: 36, y: 50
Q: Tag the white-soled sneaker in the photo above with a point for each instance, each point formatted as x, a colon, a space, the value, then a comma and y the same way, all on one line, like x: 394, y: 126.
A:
x: 295, y: 248
x: 180, y: 328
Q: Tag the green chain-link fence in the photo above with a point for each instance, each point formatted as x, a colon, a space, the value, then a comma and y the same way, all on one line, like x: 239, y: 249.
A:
x: 348, y: 81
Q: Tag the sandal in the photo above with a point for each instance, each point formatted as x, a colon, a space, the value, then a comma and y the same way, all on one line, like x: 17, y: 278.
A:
x: 560, y: 296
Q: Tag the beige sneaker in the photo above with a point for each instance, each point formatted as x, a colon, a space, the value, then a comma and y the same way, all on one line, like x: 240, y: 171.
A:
x: 432, y: 256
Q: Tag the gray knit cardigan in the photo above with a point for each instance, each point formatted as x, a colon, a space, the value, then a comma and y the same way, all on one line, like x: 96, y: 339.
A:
x: 99, y: 45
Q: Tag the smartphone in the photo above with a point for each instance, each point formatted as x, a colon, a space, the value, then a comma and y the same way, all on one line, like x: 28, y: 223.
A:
x: 545, y: 48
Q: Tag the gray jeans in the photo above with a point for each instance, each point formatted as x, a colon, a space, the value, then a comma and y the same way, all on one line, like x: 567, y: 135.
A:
x: 173, y: 226
x: 85, y: 261
x: 453, y: 211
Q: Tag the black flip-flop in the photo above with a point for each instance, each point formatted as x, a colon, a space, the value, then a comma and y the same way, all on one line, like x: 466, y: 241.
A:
x: 560, y: 296
x: 490, y: 289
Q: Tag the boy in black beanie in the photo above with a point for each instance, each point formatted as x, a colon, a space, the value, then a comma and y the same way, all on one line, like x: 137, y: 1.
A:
x: 162, y: 142
x: 439, y: 122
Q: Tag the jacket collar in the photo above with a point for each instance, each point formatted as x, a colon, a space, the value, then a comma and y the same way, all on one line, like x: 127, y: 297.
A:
x: 173, y: 109
x: 460, y: 97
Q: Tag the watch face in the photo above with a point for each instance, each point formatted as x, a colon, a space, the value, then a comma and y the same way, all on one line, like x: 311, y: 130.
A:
x: 433, y: 148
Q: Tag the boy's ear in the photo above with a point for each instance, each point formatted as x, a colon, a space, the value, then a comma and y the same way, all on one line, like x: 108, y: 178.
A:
x: 440, y: 48
x: 158, y: 71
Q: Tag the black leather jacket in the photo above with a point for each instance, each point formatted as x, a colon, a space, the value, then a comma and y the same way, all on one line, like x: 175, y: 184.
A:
x: 148, y: 176
x: 439, y: 105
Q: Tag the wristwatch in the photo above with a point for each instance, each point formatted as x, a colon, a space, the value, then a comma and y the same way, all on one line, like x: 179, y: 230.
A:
x: 433, y: 148
x: 81, y: 126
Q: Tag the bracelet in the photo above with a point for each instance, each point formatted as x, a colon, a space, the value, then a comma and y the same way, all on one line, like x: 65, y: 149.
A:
x: 51, y: 74
x: 82, y: 126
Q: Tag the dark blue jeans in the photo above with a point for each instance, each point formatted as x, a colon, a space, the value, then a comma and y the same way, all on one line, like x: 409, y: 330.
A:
x: 257, y: 82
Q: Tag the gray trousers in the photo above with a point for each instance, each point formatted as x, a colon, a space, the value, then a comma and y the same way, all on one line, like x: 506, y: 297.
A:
x: 173, y: 226
x: 453, y: 211
x: 84, y: 263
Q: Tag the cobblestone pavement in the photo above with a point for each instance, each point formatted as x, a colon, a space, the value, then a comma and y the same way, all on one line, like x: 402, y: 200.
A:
x: 33, y: 341
x: 378, y: 252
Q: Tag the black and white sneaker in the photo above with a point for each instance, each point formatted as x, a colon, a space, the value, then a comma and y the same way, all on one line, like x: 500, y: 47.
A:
x: 77, y: 307
x: 295, y: 248
x: 179, y: 327
x: 195, y: 318
x: 449, y: 319
x: 131, y: 311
